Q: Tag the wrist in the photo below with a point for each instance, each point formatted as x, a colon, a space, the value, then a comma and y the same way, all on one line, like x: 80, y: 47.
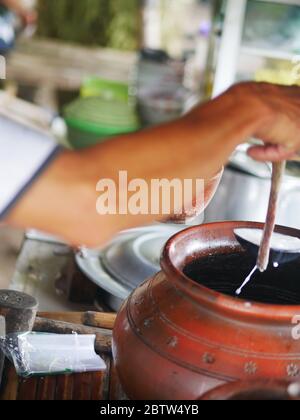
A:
x: 249, y: 103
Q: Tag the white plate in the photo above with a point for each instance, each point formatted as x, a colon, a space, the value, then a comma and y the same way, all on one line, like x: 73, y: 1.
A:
x: 90, y: 261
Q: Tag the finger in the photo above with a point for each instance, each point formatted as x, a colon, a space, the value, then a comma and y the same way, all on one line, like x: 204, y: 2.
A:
x: 270, y: 153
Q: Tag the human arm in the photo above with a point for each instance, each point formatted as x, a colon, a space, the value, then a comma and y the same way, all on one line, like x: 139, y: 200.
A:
x: 63, y: 200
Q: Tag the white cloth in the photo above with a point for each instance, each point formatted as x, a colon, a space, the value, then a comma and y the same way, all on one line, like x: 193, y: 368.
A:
x: 24, y: 152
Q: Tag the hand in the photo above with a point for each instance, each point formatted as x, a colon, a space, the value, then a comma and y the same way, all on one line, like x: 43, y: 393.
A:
x: 280, y: 126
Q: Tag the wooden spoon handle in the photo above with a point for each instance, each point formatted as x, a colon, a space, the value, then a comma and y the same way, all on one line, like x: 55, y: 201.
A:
x: 103, y: 336
x: 264, y: 251
x: 99, y: 319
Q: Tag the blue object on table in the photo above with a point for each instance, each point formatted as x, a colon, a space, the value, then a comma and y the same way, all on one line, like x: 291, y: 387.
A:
x: 7, y: 32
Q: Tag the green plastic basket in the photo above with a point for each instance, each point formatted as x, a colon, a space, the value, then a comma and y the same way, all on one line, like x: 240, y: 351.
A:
x: 106, y: 89
x: 92, y: 120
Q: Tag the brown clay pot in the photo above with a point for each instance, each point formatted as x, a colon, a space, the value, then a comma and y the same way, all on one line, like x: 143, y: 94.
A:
x: 262, y: 390
x: 176, y: 340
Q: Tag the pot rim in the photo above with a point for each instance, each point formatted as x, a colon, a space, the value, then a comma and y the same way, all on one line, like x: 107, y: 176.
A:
x: 219, y: 301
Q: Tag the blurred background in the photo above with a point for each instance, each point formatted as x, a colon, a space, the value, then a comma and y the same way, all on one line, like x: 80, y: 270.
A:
x: 92, y: 69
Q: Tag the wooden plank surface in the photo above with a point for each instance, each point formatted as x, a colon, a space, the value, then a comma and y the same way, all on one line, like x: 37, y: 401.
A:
x: 64, y: 387
x: 46, y: 388
x: 10, y: 384
x: 98, y: 386
x: 65, y: 66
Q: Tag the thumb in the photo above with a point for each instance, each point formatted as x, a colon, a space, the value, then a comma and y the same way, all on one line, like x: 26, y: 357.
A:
x: 270, y: 153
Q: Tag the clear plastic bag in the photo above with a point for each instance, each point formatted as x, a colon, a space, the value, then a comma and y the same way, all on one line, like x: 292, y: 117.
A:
x: 38, y: 354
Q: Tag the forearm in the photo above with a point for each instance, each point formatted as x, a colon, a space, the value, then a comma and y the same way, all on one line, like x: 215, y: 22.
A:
x: 196, y: 146
x: 63, y: 200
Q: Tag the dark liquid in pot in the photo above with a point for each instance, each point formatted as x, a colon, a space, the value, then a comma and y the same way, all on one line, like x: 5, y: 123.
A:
x: 225, y: 274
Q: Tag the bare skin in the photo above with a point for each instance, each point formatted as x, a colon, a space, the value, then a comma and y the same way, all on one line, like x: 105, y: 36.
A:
x: 63, y: 200
x: 281, y: 132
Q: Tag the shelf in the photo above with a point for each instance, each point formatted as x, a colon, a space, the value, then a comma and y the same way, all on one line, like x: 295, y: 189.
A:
x: 284, y: 2
x: 273, y: 54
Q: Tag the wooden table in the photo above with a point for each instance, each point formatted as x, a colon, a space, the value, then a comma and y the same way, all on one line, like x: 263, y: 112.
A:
x: 100, y: 386
x: 47, y: 270
x: 87, y: 386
